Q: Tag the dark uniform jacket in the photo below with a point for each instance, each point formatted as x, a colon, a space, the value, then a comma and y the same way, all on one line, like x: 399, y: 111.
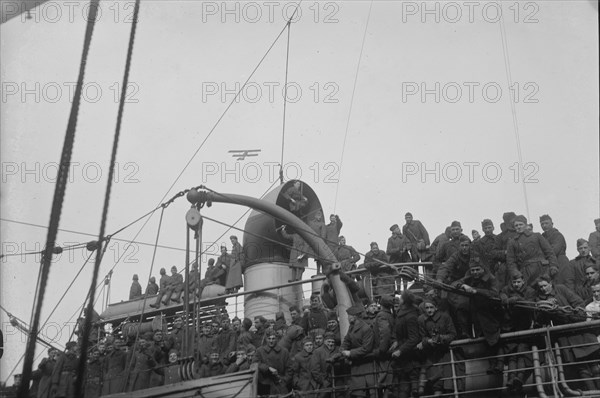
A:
x: 527, y: 250
x: 114, y: 365
x: 332, y: 232
x: 485, y: 312
x: 314, y: 319
x: 398, y: 249
x: 454, y: 268
x: 347, y: 256
x: 135, y: 290
x: 359, y: 341
x: 278, y: 358
x: 406, y: 330
x: 303, y: 367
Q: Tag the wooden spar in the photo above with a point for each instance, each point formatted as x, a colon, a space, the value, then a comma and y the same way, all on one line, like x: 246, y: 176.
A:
x: 318, y: 245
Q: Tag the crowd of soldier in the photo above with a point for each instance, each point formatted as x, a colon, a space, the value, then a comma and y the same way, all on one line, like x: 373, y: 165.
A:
x: 485, y: 279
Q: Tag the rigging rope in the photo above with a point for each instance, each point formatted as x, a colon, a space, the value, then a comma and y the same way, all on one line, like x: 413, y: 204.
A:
x: 145, y: 295
x: 285, y: 87
x: 57, y: 201
x: 111, y: 171
x: 337, y: 185
x: 514, y: 113
x: 228, y: 107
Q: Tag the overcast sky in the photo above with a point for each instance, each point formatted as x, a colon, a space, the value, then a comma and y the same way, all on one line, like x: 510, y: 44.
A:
x: 432, y: 129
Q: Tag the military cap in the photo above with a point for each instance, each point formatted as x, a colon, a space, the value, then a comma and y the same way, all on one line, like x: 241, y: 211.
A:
x: 429, y: 299
x: 279, y: 324
x: 174, y: 268
x: 374, y: 244
x: 475, y: 263
x: 387, y: 301
x: 581, y: 242
x: 152, y: 279
x: 135, y: 277
x: 250, y: 348
x: 408, y: 214
x: 393, y: 227
x: 307, y: 340
x: 486, y: 222
x: 464, y: 238
x: 521, y: 218
x: 508, y: 216
x: 332, y: 316
x: 328, y: 336
x: 355, y: 310
x: 269, y: 333
x: 455, y: 224
x: 223, y: 247
x: 545, y: 217
x: 233, y: 237
x: 70, y: 344
x: 517, y: 275
x: 597, y: 221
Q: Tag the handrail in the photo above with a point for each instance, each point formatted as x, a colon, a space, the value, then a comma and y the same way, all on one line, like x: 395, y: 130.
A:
x: 577, y: 326
x: 537, y: 374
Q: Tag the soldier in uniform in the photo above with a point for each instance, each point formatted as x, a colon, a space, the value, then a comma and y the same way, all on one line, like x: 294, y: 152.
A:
x: 519, y: 365
x: 485, y: 248
x: 165, y: 281
x: 142, y: 363
x: 486, y: 314
x: 296, y: 200
x: 315, y: 317
x: 451, y: 271
x: 152, y: 287
x: 112, y: 372
x: 298, y: 254
x: 346, y: 255
x: 234, y: 276
x: 325, y: 366
x: 437, y: 332
x: 47, y: 367
x: 399, y: 249
x: 530, y: 253
x: 358, y: 347
x: 274, y: 371
x: 577, y: 349
x: 93, y: 376
x: 559, y: 247
x: 449, y: 247
x: 303, y: 368
x: 507, y: 233
x: 575, y: 274
x: 382, y: 274
x: 135, y: 290
x: 175, y: 287
x: 65, y: 373
x: 332, y: 231
x: 404, y: 355
x: 594, y: 240
x: 418, y: 236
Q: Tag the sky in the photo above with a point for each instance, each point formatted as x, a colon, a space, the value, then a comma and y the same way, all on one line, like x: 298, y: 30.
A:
x: 449, y: 110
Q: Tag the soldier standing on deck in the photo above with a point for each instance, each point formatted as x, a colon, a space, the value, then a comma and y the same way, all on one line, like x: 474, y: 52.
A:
x: 136, y: 289
x: 417, y: 235
x: 530, y: 253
